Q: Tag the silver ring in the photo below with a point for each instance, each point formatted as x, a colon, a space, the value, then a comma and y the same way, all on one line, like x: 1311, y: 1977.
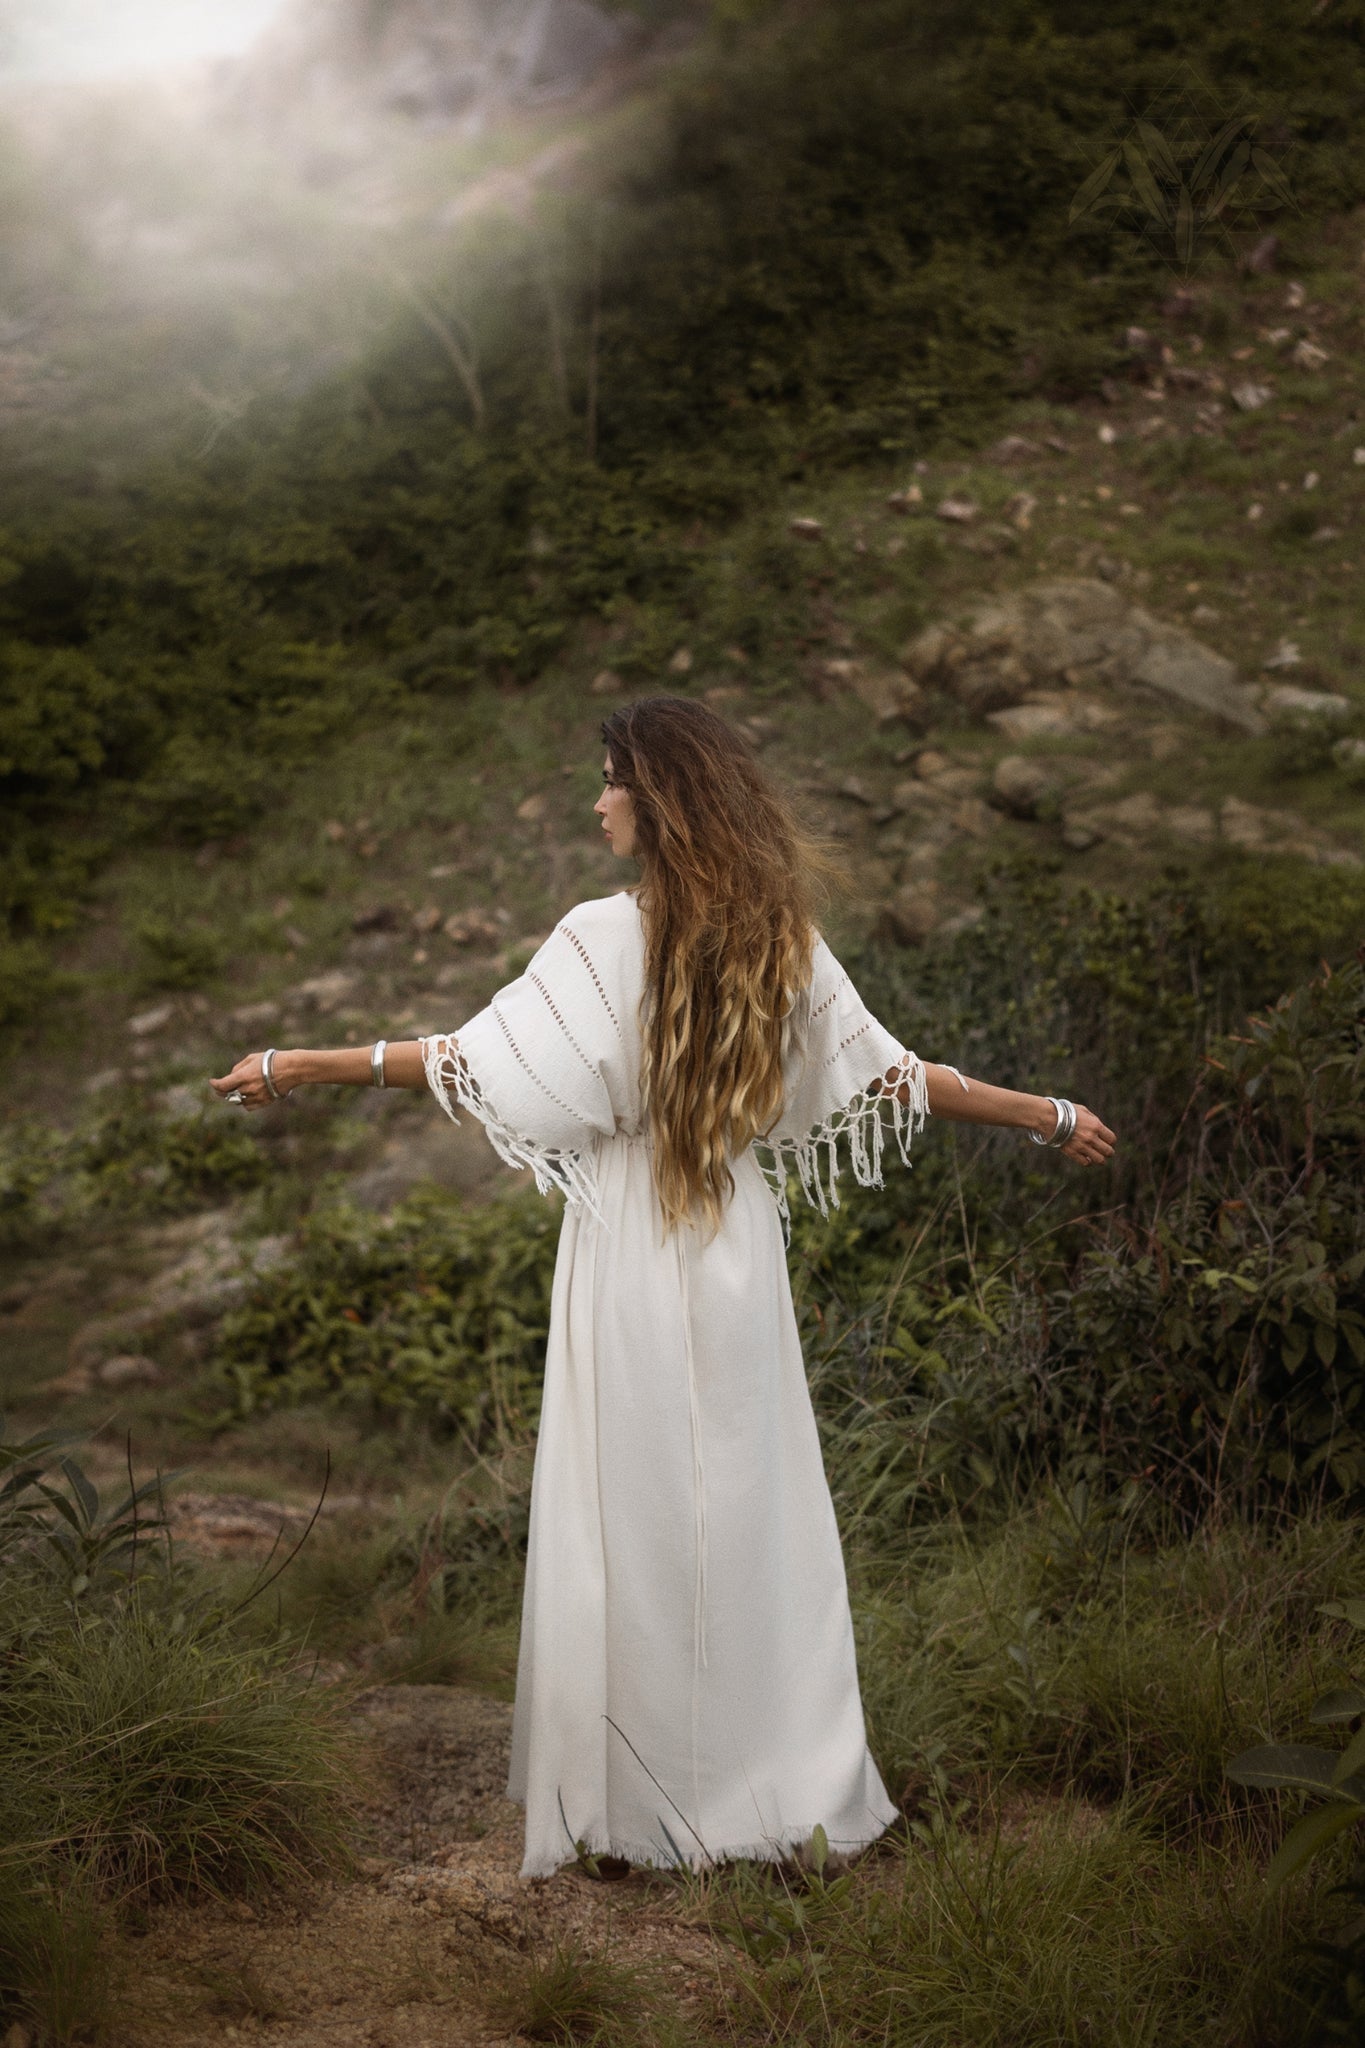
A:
x: 236, y: 1096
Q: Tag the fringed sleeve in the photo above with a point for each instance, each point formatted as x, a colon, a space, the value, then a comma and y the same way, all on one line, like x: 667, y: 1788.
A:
x: 547, y: 1066
x: 845, y: 1074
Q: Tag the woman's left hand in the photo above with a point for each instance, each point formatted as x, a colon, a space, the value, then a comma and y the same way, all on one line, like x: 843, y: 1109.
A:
x: 1091, y: 1143
x: 247, y: 1082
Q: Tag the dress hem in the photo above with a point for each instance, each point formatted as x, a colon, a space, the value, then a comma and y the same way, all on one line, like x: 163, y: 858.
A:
x: 767, y: 1849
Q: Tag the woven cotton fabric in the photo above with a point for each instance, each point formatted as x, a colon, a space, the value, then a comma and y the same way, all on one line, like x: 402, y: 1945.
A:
x: 687, y: 1686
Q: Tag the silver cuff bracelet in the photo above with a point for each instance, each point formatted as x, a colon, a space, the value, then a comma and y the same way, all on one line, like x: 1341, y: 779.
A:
x: 377, y: 1063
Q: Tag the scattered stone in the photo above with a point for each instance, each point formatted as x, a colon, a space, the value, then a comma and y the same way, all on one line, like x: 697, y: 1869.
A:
x: 1349, y: 754
x: 1194, y: 822
x: 428, y: 919
x: 957, y: 510
x: 251, y: 1016
x: 1014, y: 447
x: 471, y: 928
x: 1021, y: 787
x: 806, y: 529
x: 1306, y: 355
x: 1242, y: 824
x: 606, y: 683
x: 1294, y: 297
x: 1325, y: 533
x: 129, y: 1369
x: 1056, y: 444
x: 1205, y: 615
x: 334, y: 830
x: 1107, y: 434
x: 908, y: 500
x: 1080, y: 838
x: 324, y: 992
x: 1293, y: 702
x: 909, y: 919
x: 1286, y: 655
x: 930, y: 764
x: 107, y: 1077
x: 681, y: 663
x: 70, y: 1385
x: 380, y: 917
x: 1251, y: 397
x: 1262, y: 256
x: 1312, y: 480
x: 147, y: 1022
x: 531, y: 809
x: 1021, y: 509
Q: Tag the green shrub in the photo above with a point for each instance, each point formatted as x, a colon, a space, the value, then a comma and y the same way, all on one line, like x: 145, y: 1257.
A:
x: 440, y: 1311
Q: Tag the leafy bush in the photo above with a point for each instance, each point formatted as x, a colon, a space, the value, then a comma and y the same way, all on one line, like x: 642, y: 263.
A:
x: 441, y: 1310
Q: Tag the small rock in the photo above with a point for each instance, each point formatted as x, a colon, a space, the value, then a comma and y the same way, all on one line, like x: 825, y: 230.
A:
x: 1262, y: 256
x: 1349, y: 754
x: 806, y: 529
x: 1251, y: 397
x: 606, y: 683
x: 1021, y: 509
x: 1325, y: 533
x: 1286, y: 655
x: 334, y: 830
x: 250, y: 1016
x: 1191, y: 821
x: 909, y: 919
x: 957, y: 510
x: 1020, y: 786
x: 1292, y: 702
x: 471, y: 928
x: 1107, y: 434
x: 681, y: 662
x: 1032, y: 721
x: 1312, y: 480
x: 428, y: 919
x: 1056, y: 444
x: 1293, y: 297
x: 1013, y: 448
x: 70, y: 1385
x: 128, y: 1369
x: 147, y: 1022
x: 1205, y: 615
x: 325, y: 991
x: 930, y: 764
x: 1308, y: 356
x: 531, y: 809
x: 380, y: 917
x: 1080, y: 838
x: 907, y: 500
x: 107, y: 1077
x: 1358, y: 457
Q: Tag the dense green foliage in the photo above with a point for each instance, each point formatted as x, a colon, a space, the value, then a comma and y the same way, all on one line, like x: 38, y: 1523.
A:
x: 441, y: 1309
x: 847, y: 238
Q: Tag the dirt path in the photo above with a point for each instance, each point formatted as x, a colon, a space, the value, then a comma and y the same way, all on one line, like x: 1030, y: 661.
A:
x: 437, y: 1928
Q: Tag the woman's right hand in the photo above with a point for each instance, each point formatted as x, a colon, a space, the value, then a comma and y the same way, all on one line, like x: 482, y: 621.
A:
x: 247, y: 1081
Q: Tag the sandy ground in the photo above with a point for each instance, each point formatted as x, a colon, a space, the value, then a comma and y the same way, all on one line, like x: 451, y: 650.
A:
x: 417, y: 1950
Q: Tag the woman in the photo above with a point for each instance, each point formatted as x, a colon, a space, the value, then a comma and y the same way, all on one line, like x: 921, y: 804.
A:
x: 687, y: 1687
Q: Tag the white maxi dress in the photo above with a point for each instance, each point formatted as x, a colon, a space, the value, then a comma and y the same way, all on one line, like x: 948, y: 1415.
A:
x: 687, y: 1688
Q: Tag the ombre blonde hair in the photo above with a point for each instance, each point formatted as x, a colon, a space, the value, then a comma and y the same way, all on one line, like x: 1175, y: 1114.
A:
x: 730, y: 886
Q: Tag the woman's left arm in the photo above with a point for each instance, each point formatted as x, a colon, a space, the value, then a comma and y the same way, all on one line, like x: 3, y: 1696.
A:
x: 960, y: 1099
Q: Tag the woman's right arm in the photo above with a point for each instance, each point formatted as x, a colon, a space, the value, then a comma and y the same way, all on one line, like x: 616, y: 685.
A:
x: 346, y: 1065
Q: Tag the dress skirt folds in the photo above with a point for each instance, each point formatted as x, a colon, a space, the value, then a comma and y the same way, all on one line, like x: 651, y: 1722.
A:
x: 687, y: 1688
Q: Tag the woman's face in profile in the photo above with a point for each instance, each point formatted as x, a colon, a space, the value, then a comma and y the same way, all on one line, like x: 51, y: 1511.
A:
x: 616, y: 809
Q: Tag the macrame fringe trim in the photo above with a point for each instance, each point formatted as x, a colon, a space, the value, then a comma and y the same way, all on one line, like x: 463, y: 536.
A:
x: 571, y: 1174
x: 862, y: 1124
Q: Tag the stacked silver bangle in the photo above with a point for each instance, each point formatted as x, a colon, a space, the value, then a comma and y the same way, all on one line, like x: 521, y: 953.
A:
x: 268, y: 1076
x: 377, y: 1063
x: 1066, y: 1123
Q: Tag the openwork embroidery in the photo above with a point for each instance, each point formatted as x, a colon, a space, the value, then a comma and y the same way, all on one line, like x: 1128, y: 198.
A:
x: 573, y: 1174
x: 862, y: 1122
x: 584, y: 956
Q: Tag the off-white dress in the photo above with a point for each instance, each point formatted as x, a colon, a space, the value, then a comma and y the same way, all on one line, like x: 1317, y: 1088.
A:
x: 687, y: 1687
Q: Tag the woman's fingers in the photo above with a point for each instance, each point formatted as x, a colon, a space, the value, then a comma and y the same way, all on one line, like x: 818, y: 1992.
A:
x: 244, y: 1081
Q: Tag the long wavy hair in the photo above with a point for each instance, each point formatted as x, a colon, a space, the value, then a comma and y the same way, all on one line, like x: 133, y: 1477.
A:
x: 730, y: 885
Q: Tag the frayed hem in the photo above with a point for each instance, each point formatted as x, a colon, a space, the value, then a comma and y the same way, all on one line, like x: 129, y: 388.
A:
x: 660, y: 1856
x: 861, y: 1125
